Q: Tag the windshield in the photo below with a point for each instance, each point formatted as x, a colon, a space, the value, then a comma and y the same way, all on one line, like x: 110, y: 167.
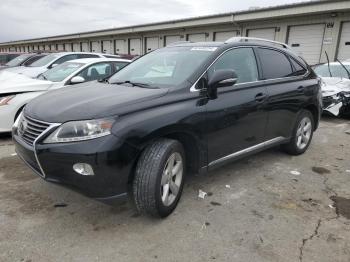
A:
x: 164, y: 67
x: 18, y: 60
x: 45, y: 60
x: 336, y: 70
x: 60, y: 72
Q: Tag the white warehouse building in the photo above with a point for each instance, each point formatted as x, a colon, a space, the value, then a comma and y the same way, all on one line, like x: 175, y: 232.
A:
x: 311, y: 28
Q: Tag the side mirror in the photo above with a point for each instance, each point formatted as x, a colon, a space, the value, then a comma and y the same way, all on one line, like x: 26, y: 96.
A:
x: 53, y: 65
x: 221, y: 78
x: 77, y: 80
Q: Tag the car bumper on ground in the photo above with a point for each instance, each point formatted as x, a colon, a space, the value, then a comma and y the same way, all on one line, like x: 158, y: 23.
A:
x: 111, y: 161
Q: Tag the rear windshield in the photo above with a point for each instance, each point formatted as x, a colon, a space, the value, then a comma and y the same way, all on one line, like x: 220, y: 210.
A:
x: 165, y: 67
x: 45, y: 60
x: 332, y: 71
x: 18, y: 60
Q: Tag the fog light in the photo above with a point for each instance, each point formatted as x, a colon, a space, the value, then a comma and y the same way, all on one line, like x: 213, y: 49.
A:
x: 83, y: 169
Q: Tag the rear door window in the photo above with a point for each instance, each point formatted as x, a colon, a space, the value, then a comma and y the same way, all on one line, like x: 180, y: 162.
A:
x: 242, y: 60
x: 66, y: 58
x: 118, y: 65
x: 274, y: 64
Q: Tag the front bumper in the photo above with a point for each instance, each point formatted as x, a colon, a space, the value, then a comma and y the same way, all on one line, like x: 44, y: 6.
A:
x: 337, y: 105
x: 111, y: 160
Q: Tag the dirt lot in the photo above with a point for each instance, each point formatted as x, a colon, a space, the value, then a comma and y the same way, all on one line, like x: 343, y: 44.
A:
x: 269, y: 207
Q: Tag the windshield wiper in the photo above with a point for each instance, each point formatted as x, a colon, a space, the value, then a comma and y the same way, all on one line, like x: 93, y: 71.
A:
x: 41, y: 76
x: 142, y: 85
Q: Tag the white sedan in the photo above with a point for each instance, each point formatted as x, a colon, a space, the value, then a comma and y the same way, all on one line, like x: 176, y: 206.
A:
x: 18, y: 90
x: 50, y: 61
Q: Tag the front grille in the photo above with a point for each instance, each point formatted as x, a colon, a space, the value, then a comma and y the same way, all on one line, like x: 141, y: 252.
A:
x: 29, y: 129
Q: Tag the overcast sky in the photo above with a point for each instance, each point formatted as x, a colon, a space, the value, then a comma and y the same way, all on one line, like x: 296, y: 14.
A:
x: 23, y: 19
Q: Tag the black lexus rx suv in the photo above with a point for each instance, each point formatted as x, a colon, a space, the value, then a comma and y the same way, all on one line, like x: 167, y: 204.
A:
x: 189, y: 107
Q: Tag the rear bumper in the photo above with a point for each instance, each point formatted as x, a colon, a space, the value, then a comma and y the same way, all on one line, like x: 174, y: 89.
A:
x: 111, y: 161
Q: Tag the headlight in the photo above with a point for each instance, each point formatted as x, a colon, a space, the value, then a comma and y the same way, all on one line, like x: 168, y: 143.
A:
x: 80, y: 131
x: 5, y: 99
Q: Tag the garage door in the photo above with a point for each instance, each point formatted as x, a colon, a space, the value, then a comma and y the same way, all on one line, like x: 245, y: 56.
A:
x: 95, y: 47
x: 344, y: 44
x: 223, y: 36
x: 107, y: 46
x: 85, y: 47
x: 307, y: 41
x: 120, y: 47
x: 47, y: 47
x: 60, y: 47
x: 196, y: 37
x: 68, y: 47
x: 41, y: 47
x: 152, y: 43
x: 135, y: 46
x: 169, y: 39
x: 76, y: 47
x: 265, y: 33
x: 53, y: 47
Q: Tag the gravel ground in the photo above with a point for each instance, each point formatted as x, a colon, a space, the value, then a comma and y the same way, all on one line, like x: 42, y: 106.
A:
x: 268, y: 207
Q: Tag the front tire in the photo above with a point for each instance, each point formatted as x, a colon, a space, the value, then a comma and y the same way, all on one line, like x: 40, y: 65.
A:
x: 159, y: 178
x: 302, y: 134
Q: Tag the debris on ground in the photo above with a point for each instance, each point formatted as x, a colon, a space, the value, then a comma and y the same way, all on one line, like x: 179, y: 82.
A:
x: 320, y: 170
x: 14, y: 154
x: 295, y: 173
x: 60, y: 205
x: 342, y: 206
x: 213, y: 203
x: 201, y: 194
x: 228, y: 186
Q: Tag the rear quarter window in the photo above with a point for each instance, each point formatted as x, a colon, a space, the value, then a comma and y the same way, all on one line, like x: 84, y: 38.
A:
x: 275, y: 64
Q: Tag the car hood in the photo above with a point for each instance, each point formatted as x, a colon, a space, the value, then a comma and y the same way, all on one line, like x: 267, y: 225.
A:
x: 16, y: 83
x: 88, y: 101
x: 334, y: 85
x: 23, y: 70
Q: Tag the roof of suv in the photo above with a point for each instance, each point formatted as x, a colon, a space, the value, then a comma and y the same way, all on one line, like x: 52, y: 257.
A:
x: 236, y: 41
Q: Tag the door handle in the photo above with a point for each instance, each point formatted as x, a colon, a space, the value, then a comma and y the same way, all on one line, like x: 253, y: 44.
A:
x: 301, y: 89
x: 261, y: 97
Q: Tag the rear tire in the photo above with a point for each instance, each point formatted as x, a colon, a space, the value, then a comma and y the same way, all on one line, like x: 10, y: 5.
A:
x: 302, y: 134
x: 159, y: 178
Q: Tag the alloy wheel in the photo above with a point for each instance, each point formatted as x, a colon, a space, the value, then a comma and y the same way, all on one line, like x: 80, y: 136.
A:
x: 171, y: 179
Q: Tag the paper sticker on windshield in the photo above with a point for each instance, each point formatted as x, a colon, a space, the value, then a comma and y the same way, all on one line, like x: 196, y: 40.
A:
x: 204, y: 48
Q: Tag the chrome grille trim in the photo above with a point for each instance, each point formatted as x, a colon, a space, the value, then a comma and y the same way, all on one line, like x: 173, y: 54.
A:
x: 32, y: 130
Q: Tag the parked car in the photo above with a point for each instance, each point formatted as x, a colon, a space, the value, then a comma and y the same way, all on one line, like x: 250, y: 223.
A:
x: 6, y: 57
x: 18, y: 91
x: 23, y: 60
x: 50, y: 61
x: 335, y: 87
x: 186, y: 107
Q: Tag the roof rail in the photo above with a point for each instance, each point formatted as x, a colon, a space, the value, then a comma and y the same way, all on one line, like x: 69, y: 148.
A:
x: 254, y: 39
x: 179, y: 42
